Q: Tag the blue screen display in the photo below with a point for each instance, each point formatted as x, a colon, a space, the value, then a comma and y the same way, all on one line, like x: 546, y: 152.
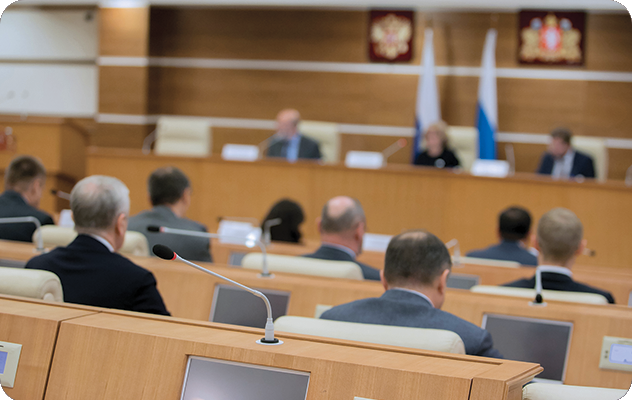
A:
x: 3, y: 360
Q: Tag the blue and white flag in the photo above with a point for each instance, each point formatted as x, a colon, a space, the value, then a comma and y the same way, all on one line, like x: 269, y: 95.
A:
x: 428, y: 107
x: 487, y: 106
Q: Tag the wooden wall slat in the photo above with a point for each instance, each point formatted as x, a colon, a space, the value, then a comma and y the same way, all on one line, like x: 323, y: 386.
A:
x: 124, y: 32
x: 123, y: 90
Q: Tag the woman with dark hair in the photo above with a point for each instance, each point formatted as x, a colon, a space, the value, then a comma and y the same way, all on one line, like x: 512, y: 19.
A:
x: 291, y: 215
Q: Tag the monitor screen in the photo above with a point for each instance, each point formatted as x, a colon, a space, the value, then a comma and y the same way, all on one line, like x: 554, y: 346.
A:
x: 210, y: 379
x: 233, y: 305
x: 3, y: 361
x: 462, y: 281
x: 539, y: 341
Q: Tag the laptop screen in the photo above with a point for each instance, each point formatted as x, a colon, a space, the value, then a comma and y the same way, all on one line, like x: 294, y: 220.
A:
x: 233, y: 305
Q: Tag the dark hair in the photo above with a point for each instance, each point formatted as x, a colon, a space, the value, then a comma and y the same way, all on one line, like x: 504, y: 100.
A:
x: 415, y: 257
x: 291, y: 215
x: 514, y: 223
x: 344, y: 222
x: 562, y: 133
x: 166, y: 185
x: 22, y: 171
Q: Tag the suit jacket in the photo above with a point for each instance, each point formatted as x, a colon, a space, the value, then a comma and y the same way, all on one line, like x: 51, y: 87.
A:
x: 307, y: 148
x: 12, y: 204
x: 554, y: 281
x: 507, y: 251
x: 582, y: 165
x: 191, y: 248
x: 92, y: 275
x: 334, y: 254
x: 402, y: 308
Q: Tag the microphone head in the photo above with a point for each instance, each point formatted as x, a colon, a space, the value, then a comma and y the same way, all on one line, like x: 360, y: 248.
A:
x: 164, y: 252
x: 53, y: 191
x: 538, y: 298
x: 153, y: 228
x: 402, y: 142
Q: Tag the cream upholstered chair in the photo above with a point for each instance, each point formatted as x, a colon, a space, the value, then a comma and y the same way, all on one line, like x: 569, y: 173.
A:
x: 304, y: 266
x: 596, y: 148
x: 489, y: 262
x: 183, y: 136
x: 556, y: 295
x: 463, y: 141
x: 417, y: 338
x: 327, y: 135
x: 552, y: 391
x: 33, y: 283
x: 135, y: 243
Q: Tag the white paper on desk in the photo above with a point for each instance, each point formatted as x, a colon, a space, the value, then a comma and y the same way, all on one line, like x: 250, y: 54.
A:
x: 65, y: 219
x: 375, y: 242
x: 243, y: 233
x: 240, y: 152
x: 490, y: 168
x: 364, y: 159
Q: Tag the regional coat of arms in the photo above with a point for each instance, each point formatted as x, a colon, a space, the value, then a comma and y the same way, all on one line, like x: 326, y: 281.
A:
x: 550, y: 40
x: 390, y: 37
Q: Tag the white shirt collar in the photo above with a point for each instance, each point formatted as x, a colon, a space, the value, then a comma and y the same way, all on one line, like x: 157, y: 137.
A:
x: 556, y: 270
x: 341, y: 247
x: 103, y: 241
x: 415, y: 292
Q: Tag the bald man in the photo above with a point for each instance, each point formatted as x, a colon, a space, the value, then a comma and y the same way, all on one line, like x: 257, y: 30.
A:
x: 341, y: 226
x: 289, y: 143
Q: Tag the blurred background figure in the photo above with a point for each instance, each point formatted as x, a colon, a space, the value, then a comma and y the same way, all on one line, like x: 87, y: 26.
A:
x: 437, y: 152
x: 291, y: 215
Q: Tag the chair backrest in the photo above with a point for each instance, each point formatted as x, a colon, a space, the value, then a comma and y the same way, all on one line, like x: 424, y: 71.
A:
x: 135, y: 243
x: 552, y: 391
x: 33, y: 283
x: 304, y: 266
x: 183, y: 136
x: 556, y: 295
x: 489, y: 262
x: 417, y: 338
x: 596, y: 148
x: 325, y: 133
x: 463, y: 142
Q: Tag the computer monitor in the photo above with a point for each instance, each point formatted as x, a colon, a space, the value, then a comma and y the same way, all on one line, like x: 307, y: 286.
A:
x: 208, y: 378
x: 534, y: 340
x: 233, y: 305
x: 462, y: 281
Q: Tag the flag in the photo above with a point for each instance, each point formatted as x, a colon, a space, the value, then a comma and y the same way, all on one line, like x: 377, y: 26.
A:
x: 487, y: 105
x: 428, y: 109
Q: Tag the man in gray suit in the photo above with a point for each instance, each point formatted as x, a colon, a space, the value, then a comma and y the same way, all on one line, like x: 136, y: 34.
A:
x: 170, y: 194
x: 289, y: 143
x: 417, y: 265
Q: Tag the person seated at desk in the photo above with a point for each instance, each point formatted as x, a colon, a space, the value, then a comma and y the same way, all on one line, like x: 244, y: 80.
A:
x: 170, y: 195
x: 562, y: 161
x: 416, y: 269
x: 341, y: 226
x: 514, y: 225
x: 90, y: 271
x: 559, y: 241
x: 437, y: 152
x: 24, y: 182
x: 291, y: 215
x: 289, y: 143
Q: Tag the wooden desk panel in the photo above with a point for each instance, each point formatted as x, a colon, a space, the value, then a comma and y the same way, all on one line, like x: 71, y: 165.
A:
x: 113, y: 355
x: 395, y: 198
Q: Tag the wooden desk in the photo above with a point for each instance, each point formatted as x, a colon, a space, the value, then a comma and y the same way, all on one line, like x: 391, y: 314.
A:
x: 130, y: 356
x: 395, y: 198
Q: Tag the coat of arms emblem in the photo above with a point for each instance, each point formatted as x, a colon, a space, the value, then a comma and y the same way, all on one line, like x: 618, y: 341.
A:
x: 551, y: 38
x: 390, y: 35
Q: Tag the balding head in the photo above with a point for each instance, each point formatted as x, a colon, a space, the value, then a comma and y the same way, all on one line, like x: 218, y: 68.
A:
x: 343, y: 222
x: 287, y: 122
x: 559, y: 236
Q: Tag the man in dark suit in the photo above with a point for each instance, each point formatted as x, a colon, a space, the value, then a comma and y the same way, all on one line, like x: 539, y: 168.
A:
x: 514, y: 225
x: 24, y: 182
x: 90, y: 271
x: 416, y: 269
x: 170, y: 195
x: 341, y: 226
x: 289, y: 143
x: 559, y: 241
x: 562, y: 161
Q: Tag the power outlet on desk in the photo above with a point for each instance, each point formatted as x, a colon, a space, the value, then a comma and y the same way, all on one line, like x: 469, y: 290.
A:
x: 9, y: 358
x: 616, y: 353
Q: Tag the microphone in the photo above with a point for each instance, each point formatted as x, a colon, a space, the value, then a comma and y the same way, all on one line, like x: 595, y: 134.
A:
x: 148, y: 141
x: 394, y: 148
x: 163, y: 229
x: 457, y: 251
x: 267, y: 237
x: 16, y: 220
x: 628, y: 176
x: 60, y: 194
x: 263, y: 146
x: 538, y: 301
x: 511, y: 158
x: 166, y: 253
